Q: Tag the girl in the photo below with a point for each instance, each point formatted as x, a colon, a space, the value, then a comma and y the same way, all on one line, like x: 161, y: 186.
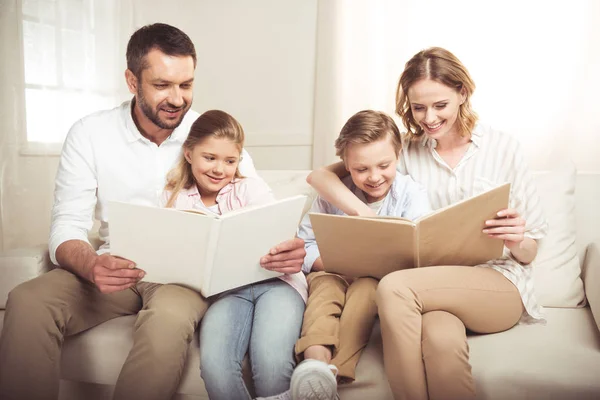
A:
x: 263, y: 319
x: 424, y: 311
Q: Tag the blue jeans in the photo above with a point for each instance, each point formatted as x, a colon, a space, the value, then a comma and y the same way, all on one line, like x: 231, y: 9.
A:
x: 263, y: 319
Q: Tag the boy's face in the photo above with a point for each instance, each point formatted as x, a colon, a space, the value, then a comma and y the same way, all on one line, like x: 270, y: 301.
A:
x: 372, y: 167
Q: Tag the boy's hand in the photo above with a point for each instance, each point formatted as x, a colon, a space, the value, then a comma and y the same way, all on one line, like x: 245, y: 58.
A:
x: 287, y: 257
x: 112, y: 274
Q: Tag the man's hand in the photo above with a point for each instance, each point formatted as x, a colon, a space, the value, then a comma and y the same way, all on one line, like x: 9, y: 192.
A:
x: 286, y: 257
x: 112, y: 274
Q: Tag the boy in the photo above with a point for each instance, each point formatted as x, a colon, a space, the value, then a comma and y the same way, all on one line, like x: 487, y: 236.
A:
x: 340, y: 312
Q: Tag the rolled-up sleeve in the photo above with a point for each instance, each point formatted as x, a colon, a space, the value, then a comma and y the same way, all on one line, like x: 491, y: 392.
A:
x: 74, y: 192
x: 306, y: 233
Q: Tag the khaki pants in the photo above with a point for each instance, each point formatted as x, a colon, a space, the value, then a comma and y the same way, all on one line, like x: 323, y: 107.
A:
x: 40, y: 313
x: 339, y: 315
x: 423, y: 314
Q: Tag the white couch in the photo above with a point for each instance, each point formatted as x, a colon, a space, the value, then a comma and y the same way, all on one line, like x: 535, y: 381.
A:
x: 559, y: 360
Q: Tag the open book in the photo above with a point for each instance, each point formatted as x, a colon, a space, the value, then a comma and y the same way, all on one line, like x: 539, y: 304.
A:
x: 376, y: 246
x: 206, y: 252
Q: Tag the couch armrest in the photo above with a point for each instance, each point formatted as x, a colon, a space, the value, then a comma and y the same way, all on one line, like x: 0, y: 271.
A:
x: 591, y: 279
x: 20, y: 265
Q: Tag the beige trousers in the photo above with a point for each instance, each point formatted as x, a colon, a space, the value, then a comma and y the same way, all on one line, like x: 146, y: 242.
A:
x: 338, y: 315
x: 40, y: 313
x: 423, y: 314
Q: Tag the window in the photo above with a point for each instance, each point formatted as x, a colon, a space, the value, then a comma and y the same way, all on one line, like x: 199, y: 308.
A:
x: 70, y: 50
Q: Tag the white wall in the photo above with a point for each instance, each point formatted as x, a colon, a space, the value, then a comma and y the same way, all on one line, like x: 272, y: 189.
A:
x: 256, y: 60
x: 535, y: 64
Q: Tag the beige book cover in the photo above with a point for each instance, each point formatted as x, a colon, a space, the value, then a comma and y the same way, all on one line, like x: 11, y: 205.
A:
x: 206, y: 252
x: 376, y: 246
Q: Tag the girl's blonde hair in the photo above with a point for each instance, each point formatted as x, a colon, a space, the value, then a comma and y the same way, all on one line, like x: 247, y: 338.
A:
x: 441, y: 66
x: 213, y: 123
x: 367, y: 126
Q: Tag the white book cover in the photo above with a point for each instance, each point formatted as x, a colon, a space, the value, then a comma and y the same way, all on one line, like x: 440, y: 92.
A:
x: 206, y: 252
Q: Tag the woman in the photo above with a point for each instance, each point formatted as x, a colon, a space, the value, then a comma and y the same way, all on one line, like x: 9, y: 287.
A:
x: 424, y: 311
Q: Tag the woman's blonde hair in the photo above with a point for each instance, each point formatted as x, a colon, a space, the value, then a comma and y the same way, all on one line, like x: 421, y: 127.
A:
x: 367, y: 126
x: 441, y: 66
x: 213, y: 123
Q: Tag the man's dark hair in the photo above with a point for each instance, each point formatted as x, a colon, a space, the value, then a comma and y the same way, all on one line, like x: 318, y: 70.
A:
x: 166, y: 38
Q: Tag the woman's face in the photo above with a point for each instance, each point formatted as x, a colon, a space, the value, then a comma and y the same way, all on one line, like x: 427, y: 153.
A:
x: 435, y: 108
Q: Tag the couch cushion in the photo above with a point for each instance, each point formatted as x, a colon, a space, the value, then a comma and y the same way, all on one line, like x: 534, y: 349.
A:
x: 20, y: 265
x: 560, y: 360
x: 289, y: 183
x: 556, y: 269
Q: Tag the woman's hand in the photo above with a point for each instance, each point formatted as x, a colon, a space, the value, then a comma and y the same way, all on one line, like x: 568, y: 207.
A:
x: 510, y: 227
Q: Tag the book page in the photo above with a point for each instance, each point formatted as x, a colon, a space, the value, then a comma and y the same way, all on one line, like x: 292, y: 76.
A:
x: 244, y: 237
x: 357, y: 247
x: 453, y: 236
x: 202, y: 212
x: 169, y: 245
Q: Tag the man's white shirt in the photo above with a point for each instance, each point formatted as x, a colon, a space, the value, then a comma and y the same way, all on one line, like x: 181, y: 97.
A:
x: 105, y: 158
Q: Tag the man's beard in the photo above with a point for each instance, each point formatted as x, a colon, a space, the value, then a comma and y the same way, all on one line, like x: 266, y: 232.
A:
x: 152, y: 115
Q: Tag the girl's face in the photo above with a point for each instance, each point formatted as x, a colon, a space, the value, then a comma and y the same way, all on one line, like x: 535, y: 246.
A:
x: 435, y: 108
x: 214, y: 162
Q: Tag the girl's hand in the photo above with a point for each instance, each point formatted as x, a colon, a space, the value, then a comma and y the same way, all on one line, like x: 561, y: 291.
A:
x: 508, y: 226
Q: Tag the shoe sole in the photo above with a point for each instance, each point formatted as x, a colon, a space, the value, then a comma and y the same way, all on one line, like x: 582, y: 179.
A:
x: 313, y: 393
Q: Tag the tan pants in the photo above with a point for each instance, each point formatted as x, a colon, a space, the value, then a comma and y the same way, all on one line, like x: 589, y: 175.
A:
x: 423, y: 314
x: 339, y: 315
x: 40, y: 313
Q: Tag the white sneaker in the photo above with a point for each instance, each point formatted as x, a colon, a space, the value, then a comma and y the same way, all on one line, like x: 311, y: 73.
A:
x: 314, y: 380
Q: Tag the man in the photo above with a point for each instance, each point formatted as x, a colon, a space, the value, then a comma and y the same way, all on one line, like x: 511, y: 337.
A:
x: 122, y: 154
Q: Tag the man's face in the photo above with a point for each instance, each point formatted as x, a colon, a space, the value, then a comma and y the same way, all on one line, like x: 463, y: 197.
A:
x: 164, y: 90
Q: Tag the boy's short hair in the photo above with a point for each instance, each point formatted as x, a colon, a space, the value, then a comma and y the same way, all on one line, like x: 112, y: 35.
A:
x: 367, y: 126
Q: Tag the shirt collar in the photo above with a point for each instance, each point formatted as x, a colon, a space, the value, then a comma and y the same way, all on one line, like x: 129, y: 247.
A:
x: 193, y: 190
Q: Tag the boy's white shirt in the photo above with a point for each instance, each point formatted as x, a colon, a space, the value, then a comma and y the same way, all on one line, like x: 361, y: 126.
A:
x: 406, y: 199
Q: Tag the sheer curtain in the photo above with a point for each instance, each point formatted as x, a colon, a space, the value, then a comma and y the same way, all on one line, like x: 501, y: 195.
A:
x: 69, y: 61
x: 61, y: 60
x: 534, y: 62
